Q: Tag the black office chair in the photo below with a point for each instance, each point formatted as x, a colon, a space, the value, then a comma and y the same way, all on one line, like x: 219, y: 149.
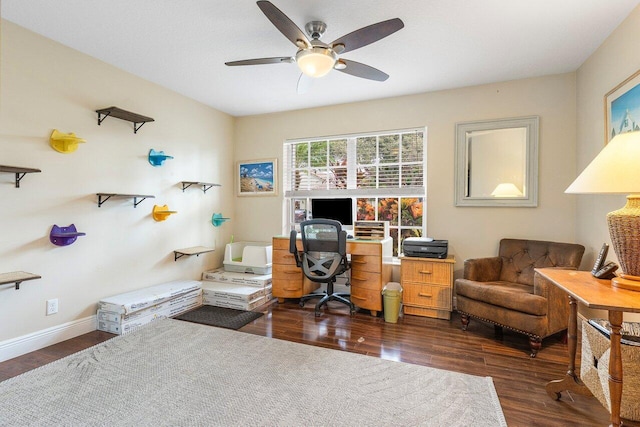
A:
x: 324, y: 256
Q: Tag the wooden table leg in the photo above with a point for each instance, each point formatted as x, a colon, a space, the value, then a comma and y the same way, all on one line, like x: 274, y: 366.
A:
x: 570, y: 382
x: 615, y: 367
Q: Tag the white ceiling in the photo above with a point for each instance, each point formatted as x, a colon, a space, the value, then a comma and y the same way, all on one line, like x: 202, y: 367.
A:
x: 182, y: 45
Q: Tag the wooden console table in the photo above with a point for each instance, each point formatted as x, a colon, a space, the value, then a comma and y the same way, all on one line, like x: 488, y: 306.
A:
x: 594, y: 293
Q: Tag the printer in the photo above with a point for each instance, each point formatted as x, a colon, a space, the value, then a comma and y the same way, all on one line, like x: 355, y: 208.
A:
x: 425, y: 247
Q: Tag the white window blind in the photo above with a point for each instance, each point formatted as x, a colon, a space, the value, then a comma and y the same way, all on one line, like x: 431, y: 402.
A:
x: 386, y: 163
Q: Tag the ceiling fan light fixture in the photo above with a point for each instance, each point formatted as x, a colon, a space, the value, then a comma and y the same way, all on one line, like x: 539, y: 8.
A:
x: 316, y: 61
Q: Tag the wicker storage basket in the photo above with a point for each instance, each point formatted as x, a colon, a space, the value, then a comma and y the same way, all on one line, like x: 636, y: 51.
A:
x: 594, y: 367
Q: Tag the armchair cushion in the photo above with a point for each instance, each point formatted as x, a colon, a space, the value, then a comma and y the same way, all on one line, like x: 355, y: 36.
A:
x: 509, y: 295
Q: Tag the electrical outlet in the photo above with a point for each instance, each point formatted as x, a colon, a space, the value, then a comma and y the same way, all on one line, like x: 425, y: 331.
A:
x: 52, y: 306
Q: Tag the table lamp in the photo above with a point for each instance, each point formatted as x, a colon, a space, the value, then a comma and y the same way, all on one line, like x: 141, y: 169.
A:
x: 616, y: 170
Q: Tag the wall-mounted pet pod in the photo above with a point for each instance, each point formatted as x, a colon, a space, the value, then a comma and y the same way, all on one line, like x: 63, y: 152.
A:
x: 64, y: 236
x: 64, y: 142
x: 217, y: 219
x: 160, y: 213
x: 157, y: 158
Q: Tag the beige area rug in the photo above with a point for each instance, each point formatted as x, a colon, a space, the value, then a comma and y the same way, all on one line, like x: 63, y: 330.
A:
x: 174, y: 373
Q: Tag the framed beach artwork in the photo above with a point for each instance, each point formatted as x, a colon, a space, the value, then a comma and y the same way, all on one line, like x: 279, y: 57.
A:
x: 622, y: 107
x: 257, y: 178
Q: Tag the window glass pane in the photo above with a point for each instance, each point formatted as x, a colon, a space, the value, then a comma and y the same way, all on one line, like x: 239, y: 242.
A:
x: 389, y: 148
x: 338, y: 178
x: 318, y: 179
x: 366, y: 177
x: 412, y: 144
x: 301, y: 155
x: 389, y: 176
x: 388, y: 210
x: 366, y: 151
x: 366, y: 210
x: 301, y: 179
x: 412, y: 175
x: 300, y: 210
x: 338, y: 152
x: 409, y: 232
x: 411, y: 211
x: 393, y: 232
x: 318, y: 153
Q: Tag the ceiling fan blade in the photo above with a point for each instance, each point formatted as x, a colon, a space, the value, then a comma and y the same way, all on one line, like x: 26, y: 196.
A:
x: 362, y: 70
x: 260, y: 61
x: 304, y: 84
x: 367, y: 35
x: 284, y: 24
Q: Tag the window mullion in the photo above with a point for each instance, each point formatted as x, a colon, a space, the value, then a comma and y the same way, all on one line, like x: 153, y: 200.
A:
x: 352, y: 165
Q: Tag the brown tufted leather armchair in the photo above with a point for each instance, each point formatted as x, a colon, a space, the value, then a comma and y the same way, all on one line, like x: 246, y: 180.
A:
x: 506, y: 291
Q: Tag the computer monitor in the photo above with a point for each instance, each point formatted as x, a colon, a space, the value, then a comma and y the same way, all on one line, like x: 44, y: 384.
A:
x: 336, y: 209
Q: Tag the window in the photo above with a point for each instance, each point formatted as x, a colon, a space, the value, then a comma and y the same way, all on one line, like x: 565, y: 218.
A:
x: 382, y: 172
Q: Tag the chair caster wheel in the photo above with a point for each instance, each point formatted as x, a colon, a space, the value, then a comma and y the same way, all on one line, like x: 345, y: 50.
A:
x: 301, y: 303
x: 318, y: 314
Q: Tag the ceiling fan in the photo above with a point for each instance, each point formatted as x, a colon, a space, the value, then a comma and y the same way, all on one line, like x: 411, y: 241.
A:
x: 315, y: 58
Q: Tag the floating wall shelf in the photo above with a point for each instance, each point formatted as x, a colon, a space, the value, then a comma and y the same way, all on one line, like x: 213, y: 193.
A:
x: 64, y: 142
x: 64, y: 236
x: 103, y: 197
x: 196, y: 250
x: 217, y: 219
x: 137, y: 119
x: 19, y: 171
x: 157, y: 158
x: 160, y: 213
x: 17, y: 277
x: 205, y: 185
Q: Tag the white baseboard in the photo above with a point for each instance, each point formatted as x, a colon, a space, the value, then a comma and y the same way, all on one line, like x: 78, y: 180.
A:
x: 27, y: 343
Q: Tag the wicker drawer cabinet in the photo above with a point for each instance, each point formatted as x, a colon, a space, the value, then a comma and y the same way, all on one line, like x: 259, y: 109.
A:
x: 427, y: 286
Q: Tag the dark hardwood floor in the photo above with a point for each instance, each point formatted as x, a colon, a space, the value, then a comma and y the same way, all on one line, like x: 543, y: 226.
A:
x: 519, y: 380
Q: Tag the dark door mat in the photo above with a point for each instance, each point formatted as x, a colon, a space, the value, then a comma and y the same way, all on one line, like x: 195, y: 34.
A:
x: 219, y: 316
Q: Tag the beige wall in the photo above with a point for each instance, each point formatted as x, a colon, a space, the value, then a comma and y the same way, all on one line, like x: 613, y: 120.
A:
x: 615, y: 60
x: 45, y: 86
x: 471, y: 231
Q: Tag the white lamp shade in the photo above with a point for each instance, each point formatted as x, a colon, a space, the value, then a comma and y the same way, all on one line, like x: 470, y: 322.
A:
x: 316, y: 61
x: 506, y: 189
x: 615, y: 170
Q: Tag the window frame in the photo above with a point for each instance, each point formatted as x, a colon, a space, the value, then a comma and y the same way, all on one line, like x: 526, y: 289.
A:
x: 400, y: 192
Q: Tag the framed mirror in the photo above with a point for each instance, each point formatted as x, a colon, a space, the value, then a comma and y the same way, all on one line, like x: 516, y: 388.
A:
x: 497, y: 162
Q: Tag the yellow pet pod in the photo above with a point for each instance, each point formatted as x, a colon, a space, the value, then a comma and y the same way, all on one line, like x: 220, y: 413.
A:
x: 64, y: 142
x: 160, y: 213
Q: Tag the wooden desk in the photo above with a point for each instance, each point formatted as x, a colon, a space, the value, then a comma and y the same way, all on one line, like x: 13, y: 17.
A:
x: 370, y: 271
x: 594, y: 293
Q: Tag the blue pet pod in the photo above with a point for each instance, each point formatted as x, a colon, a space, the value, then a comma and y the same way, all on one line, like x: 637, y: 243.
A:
x: 217, y: 219
x: 64, y: 236
x: 157, y: 158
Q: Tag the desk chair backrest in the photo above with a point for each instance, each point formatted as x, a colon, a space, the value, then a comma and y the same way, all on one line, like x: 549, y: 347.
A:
x: 324, y: 249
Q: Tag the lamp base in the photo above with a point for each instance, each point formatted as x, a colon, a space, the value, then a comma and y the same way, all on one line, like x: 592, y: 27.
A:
x: 626, y: 283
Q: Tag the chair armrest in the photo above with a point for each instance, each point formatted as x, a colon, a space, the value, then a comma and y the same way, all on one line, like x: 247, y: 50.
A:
x: 483, y: 269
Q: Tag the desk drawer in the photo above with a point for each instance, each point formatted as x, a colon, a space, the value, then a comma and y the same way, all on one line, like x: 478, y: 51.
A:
x: 426, y: 272
x: 428, y: 296
x: 366, y: 298
x: 283, y: 257
x: 370, y: 263
x: 366, y: 280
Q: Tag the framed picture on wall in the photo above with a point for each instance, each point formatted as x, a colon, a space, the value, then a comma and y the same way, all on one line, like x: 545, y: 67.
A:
x: 622, y: 107
x: 257, y: 177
